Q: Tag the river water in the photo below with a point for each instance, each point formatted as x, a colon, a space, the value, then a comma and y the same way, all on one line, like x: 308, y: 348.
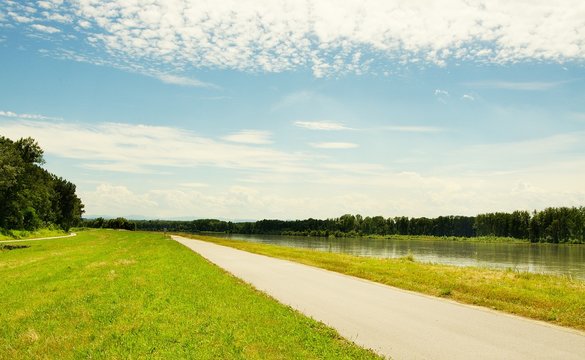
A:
x: 538, y: 258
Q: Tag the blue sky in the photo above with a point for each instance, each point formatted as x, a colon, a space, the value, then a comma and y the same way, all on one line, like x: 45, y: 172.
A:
x: 288, y: 109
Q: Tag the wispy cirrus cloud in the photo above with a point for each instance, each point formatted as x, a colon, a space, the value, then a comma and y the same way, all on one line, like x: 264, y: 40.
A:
x: 183, y: 81
x: 45, y: 28
x: 194, y: 185
x: 257, y: 137
x: 411, y: 129
x: 441, y: 92
x: 517, y: 85
x: 336, y: 126
x: 325, y: 36
x: 148, y: 149
x: 292, y: 184
x: 10, y: 114
x: 321, y: 125
x: 334, y: 145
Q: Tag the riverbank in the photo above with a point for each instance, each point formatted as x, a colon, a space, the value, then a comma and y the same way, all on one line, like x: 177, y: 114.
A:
x: 477, y: 239
x: 123, y: 294
x: 342, y: 235
x: 555, y: 299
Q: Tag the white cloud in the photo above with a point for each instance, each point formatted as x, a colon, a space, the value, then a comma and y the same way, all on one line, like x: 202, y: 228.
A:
x: 579, y: 116
x: 412, y: 129
x: 468, y: 97
x: 123, y: 167
x: 534, y: 148
x: 511, y: 85
x: 387, y: 194
x: 45, y: 28
x: 250, y: 137
x: 199, y: 176
x: 331, y: 125
x: 45, y: 4
x: 327, y: 36
x: 116, y: 200
x: 182, y: 80
x: 440, y: 92
x: 194, y: 185
x: 321, y: 125
x: 334, y: 145
x: 84, y: 24
x: 22, y: 18
x: 10, y: 114
x: 146, y: 149
x: 64, y: 19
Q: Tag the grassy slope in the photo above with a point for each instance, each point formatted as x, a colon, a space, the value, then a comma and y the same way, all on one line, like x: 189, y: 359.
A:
x: 478, y: 239
x: 23, y: 234
x: 109, y: 294
x: 555, y: 299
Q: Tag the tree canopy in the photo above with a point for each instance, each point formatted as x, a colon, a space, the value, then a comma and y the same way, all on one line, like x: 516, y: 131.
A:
x: 30, y: 196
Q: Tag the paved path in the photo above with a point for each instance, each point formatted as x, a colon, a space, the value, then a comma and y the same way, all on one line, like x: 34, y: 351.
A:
x: 393, y: 322
x: 44, y: 238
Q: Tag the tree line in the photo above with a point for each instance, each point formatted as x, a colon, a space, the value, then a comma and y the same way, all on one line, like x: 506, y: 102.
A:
x: 30, y: 196
x: 119, y: 223
x: 551, y: 225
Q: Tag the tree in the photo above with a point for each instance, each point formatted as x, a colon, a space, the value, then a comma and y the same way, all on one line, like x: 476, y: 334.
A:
x: 30, y: 196
x: 68, y: 206
x: 30, y: 151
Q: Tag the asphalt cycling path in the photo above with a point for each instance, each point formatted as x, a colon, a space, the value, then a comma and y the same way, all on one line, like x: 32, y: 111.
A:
x: 393, y: 322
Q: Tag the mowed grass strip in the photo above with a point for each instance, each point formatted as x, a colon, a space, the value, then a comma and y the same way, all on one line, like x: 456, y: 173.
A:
x: 555, y: 299
x: 112, y: 294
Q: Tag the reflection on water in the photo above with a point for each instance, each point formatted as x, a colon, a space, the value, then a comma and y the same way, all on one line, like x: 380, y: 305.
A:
x: 538, y: 258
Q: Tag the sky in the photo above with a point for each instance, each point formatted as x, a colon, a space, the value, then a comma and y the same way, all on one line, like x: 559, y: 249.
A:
x: 183, y: 109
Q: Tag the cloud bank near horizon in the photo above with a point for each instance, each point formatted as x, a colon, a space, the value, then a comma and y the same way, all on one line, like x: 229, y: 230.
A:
x: 325, y: 36
x: 249, y: 176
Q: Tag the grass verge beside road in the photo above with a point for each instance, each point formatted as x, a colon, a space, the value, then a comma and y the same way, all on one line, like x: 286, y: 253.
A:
x: 112, y: 294
x: 555, y: 299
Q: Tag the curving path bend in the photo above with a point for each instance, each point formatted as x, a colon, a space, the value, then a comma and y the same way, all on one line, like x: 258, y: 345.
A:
x: 37, y: 239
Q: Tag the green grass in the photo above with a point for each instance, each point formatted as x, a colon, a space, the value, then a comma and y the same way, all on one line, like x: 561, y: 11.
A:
x: 24, y: 234
x: 477, y: 239
x: 119, y: 295
x: 555, y: 299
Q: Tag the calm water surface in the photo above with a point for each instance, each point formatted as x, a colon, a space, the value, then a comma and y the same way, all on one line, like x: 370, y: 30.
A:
x: 537, y: 258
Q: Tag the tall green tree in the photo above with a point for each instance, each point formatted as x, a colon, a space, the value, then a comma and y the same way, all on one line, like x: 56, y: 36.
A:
x: 30, y: 196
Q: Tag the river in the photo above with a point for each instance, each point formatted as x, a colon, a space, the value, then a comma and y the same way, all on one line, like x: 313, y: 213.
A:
x: 537, y: 258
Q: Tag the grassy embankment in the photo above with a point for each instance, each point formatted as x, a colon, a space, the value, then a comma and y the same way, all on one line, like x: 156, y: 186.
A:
x: 24, y: 234
x: 477, y: 239
x: 112, y: 294
x: 556, y: 299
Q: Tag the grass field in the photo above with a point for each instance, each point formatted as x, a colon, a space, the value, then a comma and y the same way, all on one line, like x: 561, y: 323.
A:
x: 555, y: 299
x: 113, y: 294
